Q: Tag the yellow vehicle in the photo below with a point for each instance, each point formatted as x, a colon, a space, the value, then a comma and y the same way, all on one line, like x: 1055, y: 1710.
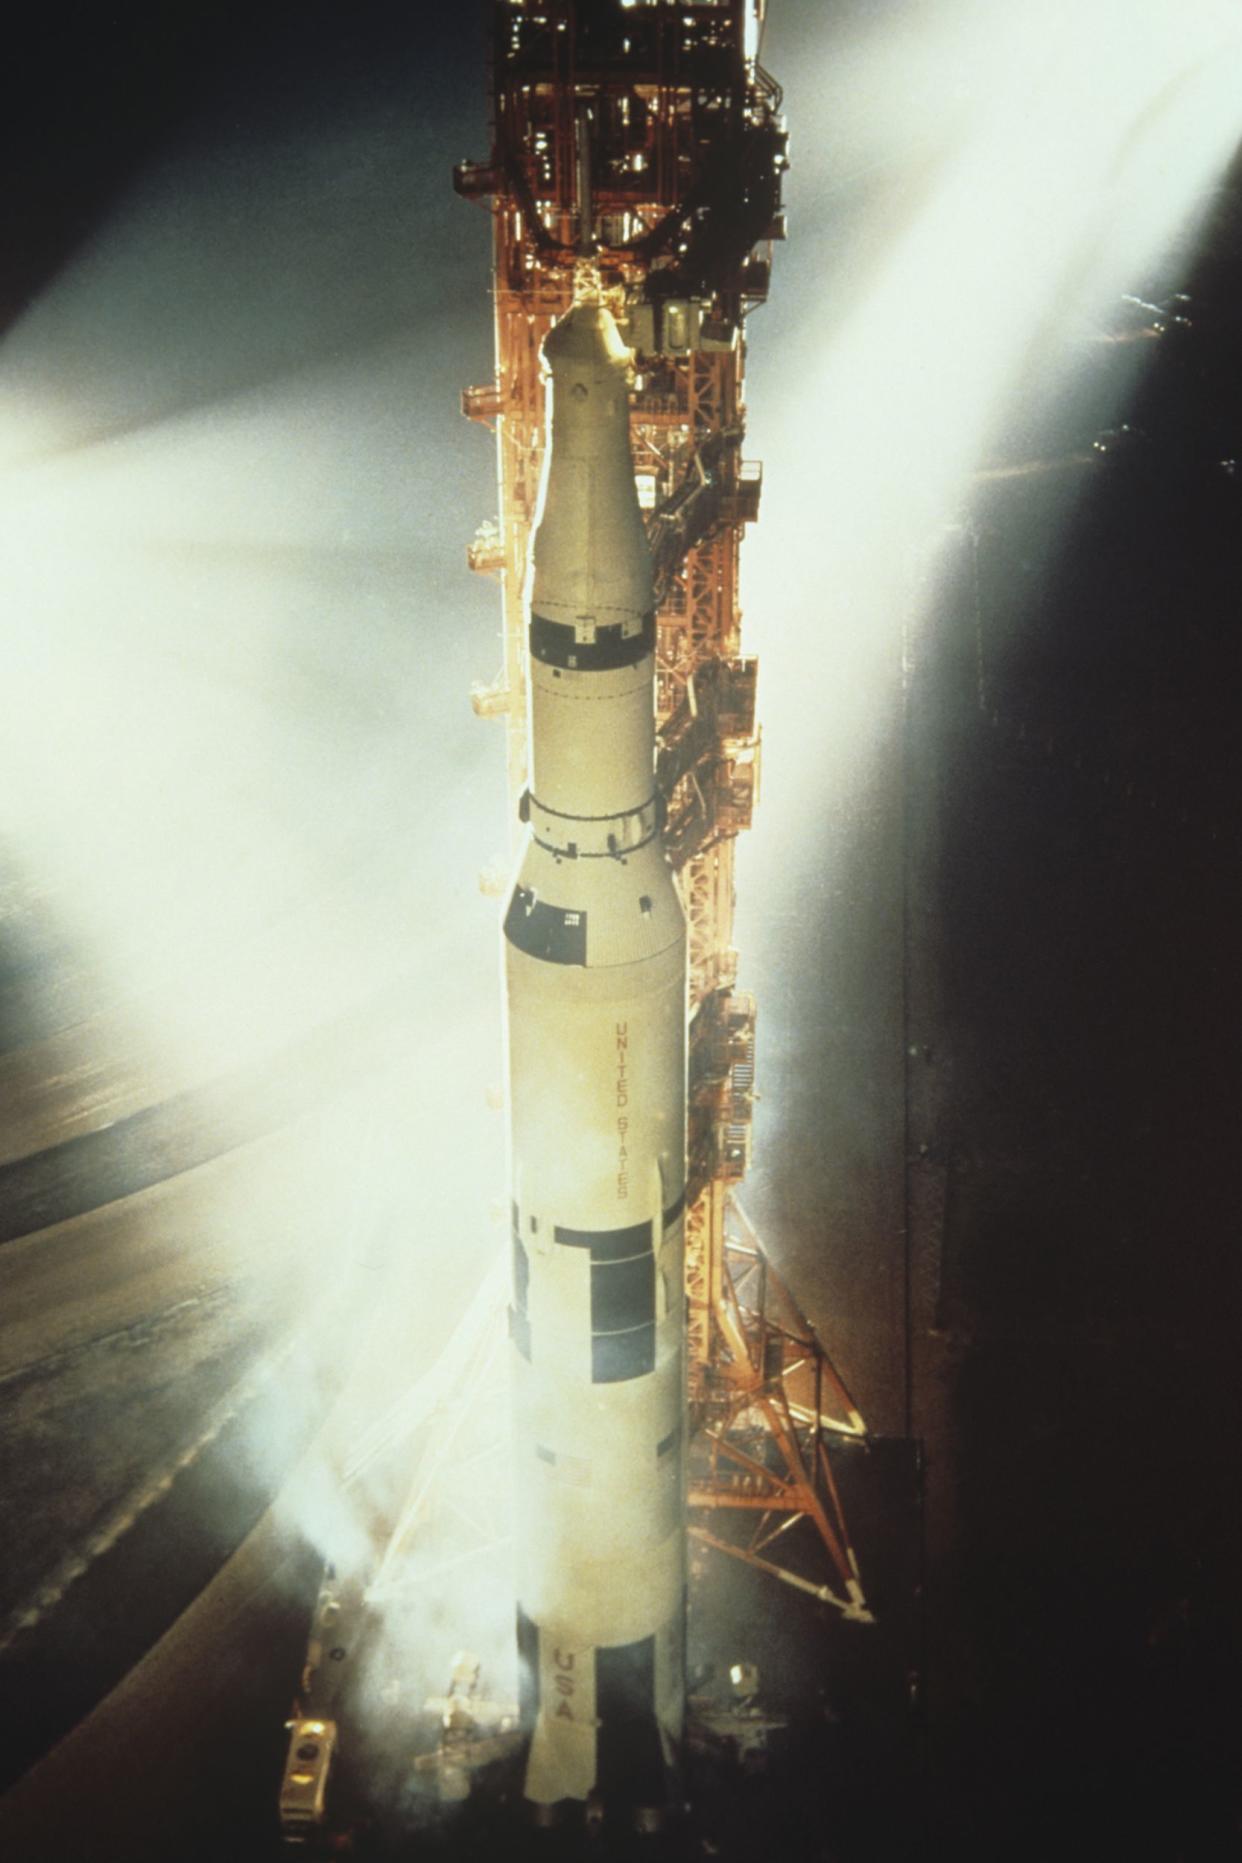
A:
x: 304, y: 1787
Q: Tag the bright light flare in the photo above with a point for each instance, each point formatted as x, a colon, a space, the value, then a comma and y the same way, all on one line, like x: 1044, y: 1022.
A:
x: 228, y: 703
x: 237, y: 761
x: 1076, y: 144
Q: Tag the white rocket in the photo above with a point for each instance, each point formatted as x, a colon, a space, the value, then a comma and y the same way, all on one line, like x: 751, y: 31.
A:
x: 595, y: 969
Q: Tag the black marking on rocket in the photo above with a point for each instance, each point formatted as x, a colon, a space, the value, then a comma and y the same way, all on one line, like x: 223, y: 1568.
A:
x: 519, y: 1332
x: 622, y: 1294
x: 674, y: 1210
x: 521, y: 1275
x: 554, y: 644
x: 551, y: 933
x: 519, y: 1313
x: 528, y: 1667
x: 622, y: 1299
x: 630, y: 1754
x: 608, y: 1244
x: 618, y: 1357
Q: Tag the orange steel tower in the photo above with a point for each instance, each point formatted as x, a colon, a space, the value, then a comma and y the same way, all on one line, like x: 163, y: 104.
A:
x: 647, y: 135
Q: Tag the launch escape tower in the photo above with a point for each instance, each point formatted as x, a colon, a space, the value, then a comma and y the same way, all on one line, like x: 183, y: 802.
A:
x: 649, y: 135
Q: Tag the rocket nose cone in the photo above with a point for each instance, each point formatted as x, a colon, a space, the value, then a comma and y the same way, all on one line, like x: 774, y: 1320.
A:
x: 587, y: 334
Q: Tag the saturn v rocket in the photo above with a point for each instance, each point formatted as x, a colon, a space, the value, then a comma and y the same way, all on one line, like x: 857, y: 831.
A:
x: 595, y: 976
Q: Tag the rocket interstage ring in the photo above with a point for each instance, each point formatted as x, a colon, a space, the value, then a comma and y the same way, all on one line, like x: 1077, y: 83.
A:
x: 602, y: 915
x: 592, y: 739
x: 594, y: 837
x: 586, y: 644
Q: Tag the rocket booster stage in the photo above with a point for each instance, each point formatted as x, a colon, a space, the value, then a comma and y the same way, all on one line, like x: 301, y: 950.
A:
x: 595, y: 970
